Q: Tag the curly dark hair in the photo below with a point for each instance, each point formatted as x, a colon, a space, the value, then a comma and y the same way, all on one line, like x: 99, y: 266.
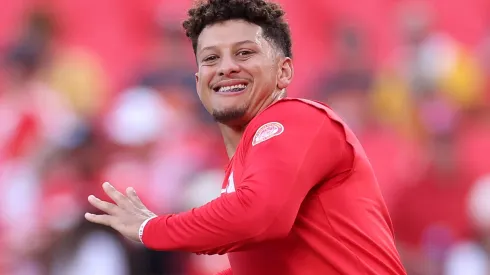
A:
x: 269, y: 16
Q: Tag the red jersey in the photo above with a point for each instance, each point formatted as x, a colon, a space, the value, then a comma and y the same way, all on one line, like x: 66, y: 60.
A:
x: 299, y: 197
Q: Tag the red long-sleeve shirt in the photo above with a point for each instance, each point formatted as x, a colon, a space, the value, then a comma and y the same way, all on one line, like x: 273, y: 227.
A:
x: 299, y: 197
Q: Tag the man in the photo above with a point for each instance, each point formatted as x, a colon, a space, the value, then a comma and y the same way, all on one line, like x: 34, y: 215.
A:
x: 299, y: 196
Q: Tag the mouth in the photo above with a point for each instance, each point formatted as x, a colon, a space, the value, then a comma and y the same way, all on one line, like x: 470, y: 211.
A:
x: 230, y: 89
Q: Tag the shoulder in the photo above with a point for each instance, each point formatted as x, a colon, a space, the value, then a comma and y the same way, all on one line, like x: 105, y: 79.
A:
x: 291, y: 119
x: 290, y: 111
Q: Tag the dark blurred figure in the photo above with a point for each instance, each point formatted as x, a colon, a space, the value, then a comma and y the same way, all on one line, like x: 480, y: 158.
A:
x: 348, y: 89
x: 169, y: 62
x: 346, y: 86
x: 30, y: 51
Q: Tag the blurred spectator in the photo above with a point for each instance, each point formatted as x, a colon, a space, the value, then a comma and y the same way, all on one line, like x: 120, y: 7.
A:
x: 79, y: 78
x: 427, y: 61
x: 431, y: 216
x: 346, y: 87
x: 471, y: 257
x: 348, y: 90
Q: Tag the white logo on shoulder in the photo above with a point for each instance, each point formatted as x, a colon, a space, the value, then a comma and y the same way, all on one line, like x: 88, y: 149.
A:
x: 230, y: 188
x: 267, y: 131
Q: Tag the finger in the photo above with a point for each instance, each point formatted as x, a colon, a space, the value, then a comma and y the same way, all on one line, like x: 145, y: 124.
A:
x: 104, y: 206
x: 115, y: 195
x: 99, y: 219
x: 133, y: 197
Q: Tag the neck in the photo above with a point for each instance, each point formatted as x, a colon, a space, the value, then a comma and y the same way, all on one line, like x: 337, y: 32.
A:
x: 233, y: 134
x: 231, y: 137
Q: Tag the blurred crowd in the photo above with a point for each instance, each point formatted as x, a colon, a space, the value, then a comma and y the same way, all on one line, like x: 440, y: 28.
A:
x: 94, y: 91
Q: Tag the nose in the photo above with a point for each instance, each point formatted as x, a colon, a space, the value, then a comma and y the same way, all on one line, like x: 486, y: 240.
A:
x: 228, y: 66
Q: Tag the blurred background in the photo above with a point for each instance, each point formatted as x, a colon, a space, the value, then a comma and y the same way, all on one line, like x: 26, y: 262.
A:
x: 94, y: 91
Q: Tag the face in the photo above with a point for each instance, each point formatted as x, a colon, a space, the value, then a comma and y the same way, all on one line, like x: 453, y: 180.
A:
x: 240, y: 71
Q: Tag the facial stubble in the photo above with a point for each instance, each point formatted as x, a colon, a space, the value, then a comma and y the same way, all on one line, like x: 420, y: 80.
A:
x: 229, y: 115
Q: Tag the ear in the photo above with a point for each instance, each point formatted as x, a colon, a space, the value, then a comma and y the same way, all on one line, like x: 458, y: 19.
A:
x: 198, y: 87
x: 285, y: 73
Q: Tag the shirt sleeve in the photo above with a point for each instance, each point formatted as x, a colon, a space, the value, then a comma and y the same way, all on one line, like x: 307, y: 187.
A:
x: 226, y: 272
x: 278, y: 174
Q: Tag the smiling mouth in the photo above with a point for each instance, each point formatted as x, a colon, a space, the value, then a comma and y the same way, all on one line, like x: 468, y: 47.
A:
x: 231, y: 89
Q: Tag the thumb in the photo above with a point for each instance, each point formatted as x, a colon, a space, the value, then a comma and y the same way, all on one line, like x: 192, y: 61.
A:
x: 133, y: 197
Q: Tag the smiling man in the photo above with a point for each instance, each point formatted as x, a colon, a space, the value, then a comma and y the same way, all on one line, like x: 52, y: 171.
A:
x: 299, y: 195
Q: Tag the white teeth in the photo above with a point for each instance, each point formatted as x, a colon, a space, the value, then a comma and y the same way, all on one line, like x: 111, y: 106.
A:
x: 228, y: 88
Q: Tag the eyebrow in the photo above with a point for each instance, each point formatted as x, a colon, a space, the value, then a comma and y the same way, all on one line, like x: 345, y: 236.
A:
x: 235, y: 44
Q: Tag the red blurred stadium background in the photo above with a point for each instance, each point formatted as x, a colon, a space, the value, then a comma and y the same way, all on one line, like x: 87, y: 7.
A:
x: 103, y: 90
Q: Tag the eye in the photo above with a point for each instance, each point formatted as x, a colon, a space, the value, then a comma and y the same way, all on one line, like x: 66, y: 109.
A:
x: 244, y: 53
x: 210, y: 58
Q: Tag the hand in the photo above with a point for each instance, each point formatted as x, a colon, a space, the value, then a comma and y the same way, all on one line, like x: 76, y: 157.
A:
x: 126, y: 216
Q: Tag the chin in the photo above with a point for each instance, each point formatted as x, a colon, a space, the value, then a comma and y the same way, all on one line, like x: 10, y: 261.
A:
x: 230, y: 115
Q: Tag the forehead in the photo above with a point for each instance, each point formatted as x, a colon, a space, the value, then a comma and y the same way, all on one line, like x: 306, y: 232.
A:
x: 228, y: 33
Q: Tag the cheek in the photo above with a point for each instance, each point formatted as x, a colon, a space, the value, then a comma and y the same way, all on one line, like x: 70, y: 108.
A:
x: 267, y: 76
x: 203, y: 82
